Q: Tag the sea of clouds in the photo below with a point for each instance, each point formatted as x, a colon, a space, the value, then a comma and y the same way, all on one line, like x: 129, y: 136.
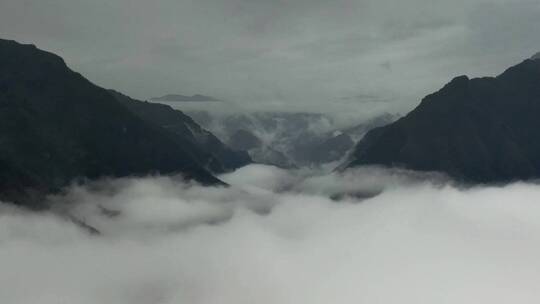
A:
x: 276, y: 236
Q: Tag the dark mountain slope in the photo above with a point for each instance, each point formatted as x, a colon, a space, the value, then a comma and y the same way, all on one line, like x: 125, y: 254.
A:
x: 479, y: 130
x: 56, y: 126
x: 211, y: 151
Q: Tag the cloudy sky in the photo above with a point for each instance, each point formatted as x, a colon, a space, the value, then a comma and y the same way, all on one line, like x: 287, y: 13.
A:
x: 372, y: 53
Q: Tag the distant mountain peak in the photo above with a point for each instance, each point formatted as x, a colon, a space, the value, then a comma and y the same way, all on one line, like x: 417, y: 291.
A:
x: 536, y: 56
x: 179, y: 97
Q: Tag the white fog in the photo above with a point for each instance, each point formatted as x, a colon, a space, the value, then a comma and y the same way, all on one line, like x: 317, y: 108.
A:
x: 276, y: 236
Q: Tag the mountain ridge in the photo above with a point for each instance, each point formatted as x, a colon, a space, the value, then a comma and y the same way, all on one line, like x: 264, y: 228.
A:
x: 212, y: 151
x: 57, y: 127
x: 476, y: 130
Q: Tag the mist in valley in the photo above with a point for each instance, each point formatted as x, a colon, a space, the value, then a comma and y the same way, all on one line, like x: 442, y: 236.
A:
x: 269, y: 152
x: 276, y: 236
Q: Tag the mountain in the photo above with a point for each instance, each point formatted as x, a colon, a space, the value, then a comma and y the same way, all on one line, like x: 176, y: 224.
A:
x: 177, y: 97
x: 288, y: 140
x: 536, y: 56
x: 321, y: 149
x: 477, y: 130
x: 245, y: 140
x: 56, y: 126
x: 210, y: 151
x: 269, y: 137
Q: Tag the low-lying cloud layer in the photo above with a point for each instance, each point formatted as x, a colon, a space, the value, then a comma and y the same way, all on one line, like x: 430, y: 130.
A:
x: 276, y: 237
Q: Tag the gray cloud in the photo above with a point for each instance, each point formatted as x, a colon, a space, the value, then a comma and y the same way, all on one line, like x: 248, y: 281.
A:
x: 415, y: 242
x: 294, y: 54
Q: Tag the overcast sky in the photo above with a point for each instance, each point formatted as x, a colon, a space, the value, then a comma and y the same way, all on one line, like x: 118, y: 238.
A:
x: 310, y: 54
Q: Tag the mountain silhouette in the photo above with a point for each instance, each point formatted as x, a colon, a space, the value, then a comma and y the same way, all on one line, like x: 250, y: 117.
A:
x: 217, y: 156
x: 56, y: 126
x: 478, y: 130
